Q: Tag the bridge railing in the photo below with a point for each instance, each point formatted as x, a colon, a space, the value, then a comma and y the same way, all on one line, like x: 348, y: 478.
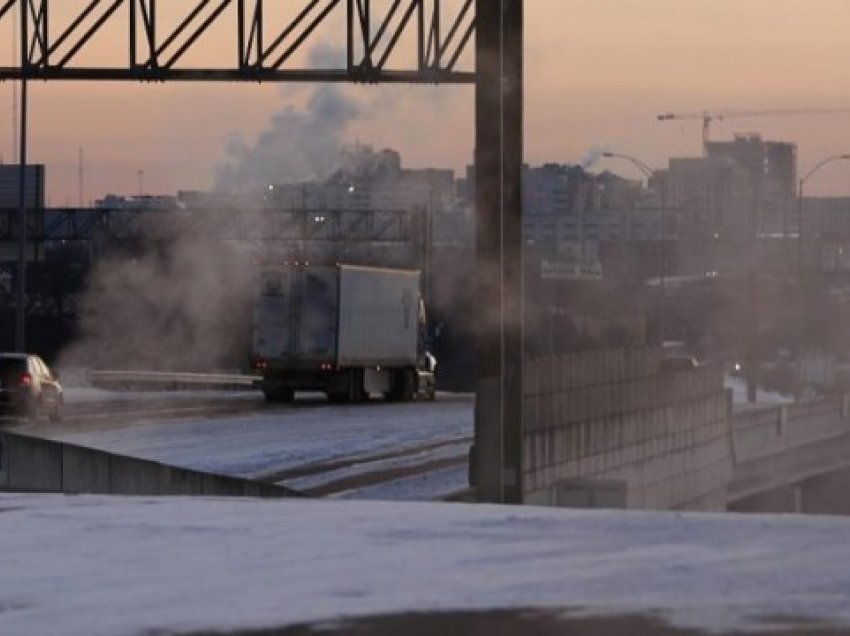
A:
x: 760, y: 433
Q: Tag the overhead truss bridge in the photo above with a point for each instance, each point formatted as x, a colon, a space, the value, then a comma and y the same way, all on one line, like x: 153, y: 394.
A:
x: 109, y: 224
x: 373, y: 41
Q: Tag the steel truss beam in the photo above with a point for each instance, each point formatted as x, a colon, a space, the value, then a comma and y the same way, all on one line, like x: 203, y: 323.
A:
x: 390, y: 226
x: 402, y: 41
x: 72, y: 224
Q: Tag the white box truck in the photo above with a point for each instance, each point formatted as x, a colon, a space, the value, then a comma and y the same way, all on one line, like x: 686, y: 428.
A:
x: 346, y: 330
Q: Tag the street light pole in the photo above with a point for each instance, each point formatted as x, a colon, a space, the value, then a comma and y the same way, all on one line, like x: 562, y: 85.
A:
x: 802, y: 183
x: 20, y: 291
x: 643, y: 167
x: 662, y: 260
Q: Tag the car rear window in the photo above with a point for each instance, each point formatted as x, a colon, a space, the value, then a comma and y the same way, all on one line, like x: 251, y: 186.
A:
x: 11, y: 369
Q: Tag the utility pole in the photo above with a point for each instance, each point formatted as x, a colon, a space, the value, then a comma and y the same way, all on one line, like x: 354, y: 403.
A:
x: 800, y: 256
x: 662, y: 243
x: 497, y: 454
x: 14, y: 90
x: 751, y: 370
x: 81, y: 178
x: 21, y: 291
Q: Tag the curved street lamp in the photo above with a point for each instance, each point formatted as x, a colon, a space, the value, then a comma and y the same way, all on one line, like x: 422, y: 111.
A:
x: 637, y: 162
x: 802, y: 182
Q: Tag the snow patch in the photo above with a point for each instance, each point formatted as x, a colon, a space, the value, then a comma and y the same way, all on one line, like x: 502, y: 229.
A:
x: 121, y: 565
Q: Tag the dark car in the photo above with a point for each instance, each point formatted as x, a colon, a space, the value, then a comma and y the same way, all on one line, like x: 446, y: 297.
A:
x: 28, y: 387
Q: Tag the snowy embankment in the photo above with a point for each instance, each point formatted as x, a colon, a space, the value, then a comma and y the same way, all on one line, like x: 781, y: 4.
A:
x: 98, y: 565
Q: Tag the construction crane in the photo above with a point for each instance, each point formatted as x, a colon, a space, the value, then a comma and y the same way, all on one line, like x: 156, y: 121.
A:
x: 708, y: 116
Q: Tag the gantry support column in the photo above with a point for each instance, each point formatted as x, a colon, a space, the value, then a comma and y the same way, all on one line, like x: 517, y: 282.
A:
x: 497, y: 454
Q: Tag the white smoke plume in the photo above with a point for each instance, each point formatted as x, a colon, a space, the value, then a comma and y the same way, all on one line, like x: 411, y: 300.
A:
x: 299, y: 144
x: 593, y: 155
x: 183, y: 300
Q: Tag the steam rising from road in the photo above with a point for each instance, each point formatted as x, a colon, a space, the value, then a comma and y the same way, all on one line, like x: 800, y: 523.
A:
x: 181, y: 304
x: 180, y: 299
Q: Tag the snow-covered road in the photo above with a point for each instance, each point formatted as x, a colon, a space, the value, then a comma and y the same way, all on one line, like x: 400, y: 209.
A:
x: 260, y: 443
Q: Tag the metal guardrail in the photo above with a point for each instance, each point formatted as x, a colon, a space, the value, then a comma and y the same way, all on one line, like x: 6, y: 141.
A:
x: 162, y: 380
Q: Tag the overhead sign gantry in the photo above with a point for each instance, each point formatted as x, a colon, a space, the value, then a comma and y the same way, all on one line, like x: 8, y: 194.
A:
x: 409, y: 41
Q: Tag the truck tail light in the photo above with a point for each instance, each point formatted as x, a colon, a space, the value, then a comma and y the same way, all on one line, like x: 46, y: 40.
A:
x: 260, y: 364
x: 26, y: 379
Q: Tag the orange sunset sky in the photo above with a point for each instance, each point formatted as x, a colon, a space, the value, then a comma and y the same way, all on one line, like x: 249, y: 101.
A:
x: 597, y: 74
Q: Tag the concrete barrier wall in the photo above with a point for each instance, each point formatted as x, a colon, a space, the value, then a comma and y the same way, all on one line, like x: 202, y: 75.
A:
x: 814, y: 421
x: 760, y: 433
x: 29, y: 464
x: 165, y: 381
x: 556, y: 373
x: 662, y: 436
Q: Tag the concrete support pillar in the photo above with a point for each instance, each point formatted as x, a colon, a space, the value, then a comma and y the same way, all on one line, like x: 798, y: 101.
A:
x: 827, y: 494
x: 496, y: 460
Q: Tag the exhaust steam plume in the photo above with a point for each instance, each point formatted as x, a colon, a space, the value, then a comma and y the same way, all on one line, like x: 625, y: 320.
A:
x: 180, y: 299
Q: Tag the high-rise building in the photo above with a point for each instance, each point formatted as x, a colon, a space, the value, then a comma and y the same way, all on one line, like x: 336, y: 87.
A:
x: 771, y: 172
x: 741, y: 190
x: 370, y: 180
x: 10, y: 178
x: 565, y: 204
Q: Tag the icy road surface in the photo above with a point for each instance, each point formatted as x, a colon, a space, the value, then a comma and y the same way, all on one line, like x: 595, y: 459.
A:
x: 83, y: 565
x: 270, y: 440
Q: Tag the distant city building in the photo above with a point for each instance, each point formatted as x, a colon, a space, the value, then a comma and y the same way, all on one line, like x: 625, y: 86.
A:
x: 826, y: 217
x: 565, y: 204
x: 739, y: 188
x: 10, y: 178
x: 370, y: 180
x: 826, y: 233
x: 10, y: 175
x: 575, y: 220
x: 375, y: 181
x: 143, y: 203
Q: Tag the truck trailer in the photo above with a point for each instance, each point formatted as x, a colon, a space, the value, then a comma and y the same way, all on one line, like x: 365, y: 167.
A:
x: 348, y: 331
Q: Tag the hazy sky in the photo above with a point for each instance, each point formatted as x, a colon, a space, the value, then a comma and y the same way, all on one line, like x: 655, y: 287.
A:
x: 598, y: 72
